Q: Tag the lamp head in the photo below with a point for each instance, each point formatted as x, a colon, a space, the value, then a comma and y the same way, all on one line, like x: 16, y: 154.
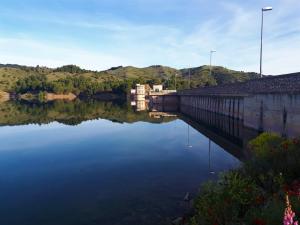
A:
x: 268, y: 8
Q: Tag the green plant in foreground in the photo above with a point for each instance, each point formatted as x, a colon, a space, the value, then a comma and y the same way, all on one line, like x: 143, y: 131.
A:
x: 254, y: 193
x: 225, y: 201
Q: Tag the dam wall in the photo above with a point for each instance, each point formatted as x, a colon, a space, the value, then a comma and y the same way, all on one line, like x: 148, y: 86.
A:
x: 269, y: 104
x: 278, y: 113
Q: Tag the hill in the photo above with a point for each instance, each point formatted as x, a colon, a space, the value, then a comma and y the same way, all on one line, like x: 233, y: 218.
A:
x: 219, y: 75
x: 117, y: 78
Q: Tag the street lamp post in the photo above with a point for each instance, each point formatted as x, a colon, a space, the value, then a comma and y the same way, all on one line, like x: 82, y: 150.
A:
x: 211, y: 53
x: 261, y: 35
x: 189, y: 78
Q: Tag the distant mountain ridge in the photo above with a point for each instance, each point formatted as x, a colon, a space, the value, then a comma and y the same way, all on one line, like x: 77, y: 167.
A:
x: 199, y: 76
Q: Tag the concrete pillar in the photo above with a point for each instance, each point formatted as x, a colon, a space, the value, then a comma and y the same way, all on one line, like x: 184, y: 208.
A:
x: 234, y: 104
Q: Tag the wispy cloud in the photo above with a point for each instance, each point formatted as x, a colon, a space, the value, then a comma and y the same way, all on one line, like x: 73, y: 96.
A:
x: 35, y: 52
x: 99, y: 40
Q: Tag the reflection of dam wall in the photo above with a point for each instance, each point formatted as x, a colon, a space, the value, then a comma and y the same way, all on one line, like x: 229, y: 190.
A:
x: 227, y: 125
x: 227, y: 132
x: 267, y: 104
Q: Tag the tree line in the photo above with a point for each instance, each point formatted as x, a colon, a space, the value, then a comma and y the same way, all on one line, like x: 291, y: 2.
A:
x: 81, y: 85
x: 77, y: 85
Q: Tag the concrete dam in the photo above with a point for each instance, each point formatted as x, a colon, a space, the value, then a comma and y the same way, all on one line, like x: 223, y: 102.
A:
x: 269, y: 104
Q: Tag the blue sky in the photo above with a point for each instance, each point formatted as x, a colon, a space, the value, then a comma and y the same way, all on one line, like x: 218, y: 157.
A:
x: 99, y: 34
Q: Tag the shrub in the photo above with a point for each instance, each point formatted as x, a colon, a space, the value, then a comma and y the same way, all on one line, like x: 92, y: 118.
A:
x: 255, y: 193
x: 227, y: 201
x: 265, y: 145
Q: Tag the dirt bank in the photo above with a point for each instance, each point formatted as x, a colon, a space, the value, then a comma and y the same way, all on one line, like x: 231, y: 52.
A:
x: 52, y: 96
x: 4, y: 96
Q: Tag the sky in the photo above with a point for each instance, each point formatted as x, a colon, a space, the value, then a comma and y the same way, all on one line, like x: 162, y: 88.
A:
x: 99, y: 34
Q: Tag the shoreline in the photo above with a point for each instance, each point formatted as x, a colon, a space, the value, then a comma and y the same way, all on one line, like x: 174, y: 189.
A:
x: 48, y: 96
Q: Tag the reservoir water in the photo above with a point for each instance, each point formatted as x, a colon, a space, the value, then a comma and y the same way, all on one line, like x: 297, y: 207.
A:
x: 103, y: 163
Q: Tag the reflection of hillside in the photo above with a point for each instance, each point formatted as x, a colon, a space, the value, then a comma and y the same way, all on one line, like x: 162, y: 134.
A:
x: 71, y: 113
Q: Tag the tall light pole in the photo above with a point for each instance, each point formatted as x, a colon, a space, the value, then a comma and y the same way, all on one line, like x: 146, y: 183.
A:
x: 265, y: 9
x: 211, y: 53
x: 189, y: 78
x: 175, y: 81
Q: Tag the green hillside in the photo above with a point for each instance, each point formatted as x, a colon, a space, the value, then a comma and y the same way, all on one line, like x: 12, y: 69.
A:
x: 14, y: 78
x: 148, y: 73
x: 219, y: 75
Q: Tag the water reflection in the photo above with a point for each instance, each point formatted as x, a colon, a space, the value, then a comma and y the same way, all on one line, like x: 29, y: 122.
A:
x: 225, y: 131
x: 72, y: 112
x: 90, y: 162
x: 188, y: 137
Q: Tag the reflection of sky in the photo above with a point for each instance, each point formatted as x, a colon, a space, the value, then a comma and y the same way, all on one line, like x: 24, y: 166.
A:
x: 72, y: 169
x: 22, y: 137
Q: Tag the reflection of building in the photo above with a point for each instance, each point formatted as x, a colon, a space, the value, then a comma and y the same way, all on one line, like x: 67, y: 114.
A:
x: 140, y: 92
x: 133, y: 91
x: 157, y: 88
x: 141, y: 105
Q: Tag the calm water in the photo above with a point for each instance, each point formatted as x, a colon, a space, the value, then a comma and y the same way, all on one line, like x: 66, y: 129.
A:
x: 99, y: 163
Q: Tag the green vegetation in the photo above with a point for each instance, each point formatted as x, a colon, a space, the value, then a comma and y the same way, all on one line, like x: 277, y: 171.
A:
x: 71, y: 78
x: 254, y: 193
x: 77, y: 85
x: 71, y: 69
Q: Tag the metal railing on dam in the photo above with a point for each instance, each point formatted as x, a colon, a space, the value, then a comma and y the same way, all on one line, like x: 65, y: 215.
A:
x: 267, y: 104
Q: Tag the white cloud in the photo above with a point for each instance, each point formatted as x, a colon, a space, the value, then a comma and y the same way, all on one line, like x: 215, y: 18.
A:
x: 234, y: 32
x: 35, y: 52
x: 237, y: 39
